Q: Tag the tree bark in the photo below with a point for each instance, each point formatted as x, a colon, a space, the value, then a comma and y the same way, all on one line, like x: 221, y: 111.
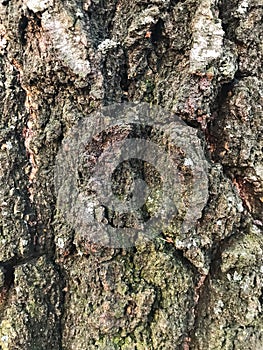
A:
x: 60, y: 63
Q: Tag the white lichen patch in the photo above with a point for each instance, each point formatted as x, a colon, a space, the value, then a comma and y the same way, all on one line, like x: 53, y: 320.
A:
x: 60, y: 243
x: 69, y: 46
x: 237, y: 277
x: 106, y: 45
x: 188, y: 162
x: 219, y: 307
x: 3, y: 38
x: 228, y: 63
x: 147, y: 16
x: 3, y: 43
x: 23, y: 245
x: 38, y: 5
x: 142, y: 23
x: 207, y: 38
x: 243, y: 6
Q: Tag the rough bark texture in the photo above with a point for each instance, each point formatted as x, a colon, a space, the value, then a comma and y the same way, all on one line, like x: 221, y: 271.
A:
x: 60, y: 61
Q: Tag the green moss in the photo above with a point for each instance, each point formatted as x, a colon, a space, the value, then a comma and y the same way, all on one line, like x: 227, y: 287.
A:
x: 148, y: 87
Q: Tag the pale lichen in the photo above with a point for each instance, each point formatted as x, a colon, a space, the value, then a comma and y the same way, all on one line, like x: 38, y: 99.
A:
x: 70, y: 47
x: 207, y: 38
x: 5, y: 329
x: 243, y: 7
x: 38, y: 5
x: 106, y: 45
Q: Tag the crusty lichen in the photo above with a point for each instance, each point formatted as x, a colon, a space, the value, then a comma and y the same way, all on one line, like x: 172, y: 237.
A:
x: 69, y: 46
x: 38, y: 5
x: 207, y: 45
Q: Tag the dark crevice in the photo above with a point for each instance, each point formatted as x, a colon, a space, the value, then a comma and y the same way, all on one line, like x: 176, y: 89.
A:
x: 229, y: 22
x: 124, y: 76
x: 101, y: 19
x: 8, y: 268
x: 201, y: 296
x: 20, y: 260
x: 223, y: 94
x: 157, y: 30
x: 192, y: 123
x: 239, y: 75
x: 8, y: 275
x: 176, y: 2
x: 37, y: 19
x: 8, y: 272
x: 22, y: 26
x: 260, y: 299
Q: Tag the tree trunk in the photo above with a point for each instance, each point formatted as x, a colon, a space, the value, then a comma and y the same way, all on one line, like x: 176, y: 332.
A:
x: 195, y: 282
